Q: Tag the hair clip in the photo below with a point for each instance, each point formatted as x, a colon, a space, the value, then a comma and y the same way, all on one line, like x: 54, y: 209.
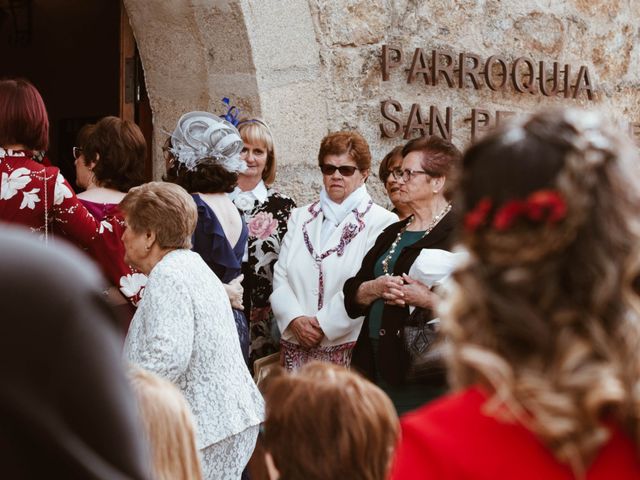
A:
x: 233, y: 113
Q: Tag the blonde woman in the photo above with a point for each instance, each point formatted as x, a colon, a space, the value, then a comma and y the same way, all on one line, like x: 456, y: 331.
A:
x: 169, y: 427
x: 265, y: 211
x: 543, y: 320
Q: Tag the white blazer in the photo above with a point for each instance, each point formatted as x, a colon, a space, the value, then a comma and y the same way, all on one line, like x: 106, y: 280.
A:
x: 184, y: 331
x: 296, y: 275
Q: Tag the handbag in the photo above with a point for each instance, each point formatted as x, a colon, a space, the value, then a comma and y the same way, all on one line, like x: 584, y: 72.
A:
x: 420, y: 337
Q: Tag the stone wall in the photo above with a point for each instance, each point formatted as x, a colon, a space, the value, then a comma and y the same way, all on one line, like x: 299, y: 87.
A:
x: 310, y: 67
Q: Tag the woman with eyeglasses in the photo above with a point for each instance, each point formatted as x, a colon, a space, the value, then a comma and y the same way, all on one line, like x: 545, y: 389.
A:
x: 383, y: 291
x: 393, y: 161
x: 266, y: 212
x: 324, y: 245
x: 110, y: 159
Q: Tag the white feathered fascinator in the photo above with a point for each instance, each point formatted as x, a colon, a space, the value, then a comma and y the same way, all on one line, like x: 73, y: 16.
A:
x: 203, y: 138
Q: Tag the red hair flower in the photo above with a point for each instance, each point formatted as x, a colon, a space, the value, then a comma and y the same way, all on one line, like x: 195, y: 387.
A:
x: 508, y: 214
x: 546, y: 203
x: 478, y: 216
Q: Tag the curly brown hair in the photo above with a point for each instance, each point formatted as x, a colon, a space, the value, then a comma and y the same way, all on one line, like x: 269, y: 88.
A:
x: 545, y: 314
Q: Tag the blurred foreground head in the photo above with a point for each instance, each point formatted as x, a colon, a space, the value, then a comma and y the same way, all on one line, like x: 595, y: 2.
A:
x: 324, y: 421
x: 169, y: 426
x: 545, y: 313
x: 66, y: 410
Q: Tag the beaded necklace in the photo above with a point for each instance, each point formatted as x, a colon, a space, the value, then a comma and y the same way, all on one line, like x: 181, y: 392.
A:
x: 392, y: 250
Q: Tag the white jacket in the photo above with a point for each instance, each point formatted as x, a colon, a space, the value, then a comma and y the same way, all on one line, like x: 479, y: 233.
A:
x: 184, y: 331
x: 296, y: 275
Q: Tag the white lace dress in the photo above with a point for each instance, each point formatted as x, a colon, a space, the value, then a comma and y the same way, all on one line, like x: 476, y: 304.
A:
x: 184, y: 331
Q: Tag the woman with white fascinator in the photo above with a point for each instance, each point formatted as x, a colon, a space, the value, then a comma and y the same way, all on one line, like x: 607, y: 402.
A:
x: 203, y: 157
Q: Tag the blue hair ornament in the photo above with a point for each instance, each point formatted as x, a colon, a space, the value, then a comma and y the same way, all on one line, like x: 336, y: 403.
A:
x: 233, y: 113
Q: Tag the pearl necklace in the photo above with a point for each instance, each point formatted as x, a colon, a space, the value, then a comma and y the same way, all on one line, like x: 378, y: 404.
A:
x: 434, y: 222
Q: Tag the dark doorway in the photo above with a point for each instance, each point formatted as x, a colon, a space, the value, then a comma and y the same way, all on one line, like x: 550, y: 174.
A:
x: 71, y: 50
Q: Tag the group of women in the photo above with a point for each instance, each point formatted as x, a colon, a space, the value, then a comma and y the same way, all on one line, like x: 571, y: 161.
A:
x: 221, y: 270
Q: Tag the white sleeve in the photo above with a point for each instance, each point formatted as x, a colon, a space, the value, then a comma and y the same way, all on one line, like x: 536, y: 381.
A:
x: 164, y: 342
x: 284, y: 302
x: 333, y: 317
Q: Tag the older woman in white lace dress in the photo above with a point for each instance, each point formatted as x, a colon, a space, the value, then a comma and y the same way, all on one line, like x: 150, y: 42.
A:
x: 184, y: 329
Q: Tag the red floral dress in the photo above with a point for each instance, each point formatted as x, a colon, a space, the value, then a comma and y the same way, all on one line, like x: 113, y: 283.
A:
x: 39, y: 198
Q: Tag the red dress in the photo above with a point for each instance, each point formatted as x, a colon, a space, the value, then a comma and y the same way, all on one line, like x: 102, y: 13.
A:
x: 109, y: 252
x: 452, y: 438
x: 39, y: 198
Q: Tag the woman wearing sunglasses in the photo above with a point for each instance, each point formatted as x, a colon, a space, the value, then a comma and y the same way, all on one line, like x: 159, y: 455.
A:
x: 324, y: 245
x: 382, y: 289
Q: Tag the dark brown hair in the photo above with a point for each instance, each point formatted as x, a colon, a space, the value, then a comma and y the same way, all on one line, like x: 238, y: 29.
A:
x: 440, y: 158
x: 206, y: 178
x: 347, y: 415
x: 389, y: 158
x: 23, y: 116
x: 352, y: 143
x: 118, y: 149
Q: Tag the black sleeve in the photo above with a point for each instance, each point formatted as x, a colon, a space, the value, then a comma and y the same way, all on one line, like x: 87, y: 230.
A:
x: 353, y: 308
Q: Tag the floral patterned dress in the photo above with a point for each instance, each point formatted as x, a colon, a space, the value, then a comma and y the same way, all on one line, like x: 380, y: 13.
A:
x: 39, y: 198
x: 267, y: 223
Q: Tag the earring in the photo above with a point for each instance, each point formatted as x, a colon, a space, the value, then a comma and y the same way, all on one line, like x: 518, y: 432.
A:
x: 147, y: 247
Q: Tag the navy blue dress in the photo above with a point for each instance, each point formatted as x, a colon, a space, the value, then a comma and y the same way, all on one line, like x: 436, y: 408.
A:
x: 225, y: 260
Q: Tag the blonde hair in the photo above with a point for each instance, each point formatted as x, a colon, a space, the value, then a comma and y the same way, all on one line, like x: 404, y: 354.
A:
x: 546, y: 314
x: 257, y: 132
x: 323, y: 407
x: 164, y: 208
x: 169, y: 427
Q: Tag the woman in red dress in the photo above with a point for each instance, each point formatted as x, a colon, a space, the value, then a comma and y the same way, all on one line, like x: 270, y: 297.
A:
x: 36, y: 196
x: 543, y: 321
x: 31, y: 194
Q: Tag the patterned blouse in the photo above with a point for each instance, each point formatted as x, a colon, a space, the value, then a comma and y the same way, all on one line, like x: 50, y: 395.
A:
x: 267, y: 223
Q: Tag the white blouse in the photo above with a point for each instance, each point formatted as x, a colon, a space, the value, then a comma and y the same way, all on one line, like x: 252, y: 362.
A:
x: 184, y: 331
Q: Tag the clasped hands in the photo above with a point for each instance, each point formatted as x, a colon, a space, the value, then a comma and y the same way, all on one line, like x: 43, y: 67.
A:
x: 404, y: 290
x: 307, y: 331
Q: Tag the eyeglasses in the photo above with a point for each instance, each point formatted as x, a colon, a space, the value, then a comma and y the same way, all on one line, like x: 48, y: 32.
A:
x: 77, y: 151
x: 406, y: 174
x: 345, y: 170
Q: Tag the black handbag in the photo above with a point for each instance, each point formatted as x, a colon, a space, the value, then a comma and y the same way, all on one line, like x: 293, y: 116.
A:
x: 421, y: 339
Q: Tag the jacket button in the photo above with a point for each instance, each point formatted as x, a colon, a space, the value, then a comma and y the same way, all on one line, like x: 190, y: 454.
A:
x: 382, y: 332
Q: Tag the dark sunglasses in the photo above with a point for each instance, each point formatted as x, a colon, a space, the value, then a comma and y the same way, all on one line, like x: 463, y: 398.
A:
x: 77, y: 151
x: 345, y: 170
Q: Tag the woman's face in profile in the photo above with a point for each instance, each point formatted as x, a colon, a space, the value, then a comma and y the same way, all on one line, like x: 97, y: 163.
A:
x: 391, y: 184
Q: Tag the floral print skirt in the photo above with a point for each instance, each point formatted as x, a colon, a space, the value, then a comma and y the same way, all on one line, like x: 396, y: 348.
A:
x: 294, y: 356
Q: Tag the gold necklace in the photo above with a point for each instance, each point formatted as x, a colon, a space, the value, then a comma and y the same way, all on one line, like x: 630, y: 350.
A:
x: 392, y: 250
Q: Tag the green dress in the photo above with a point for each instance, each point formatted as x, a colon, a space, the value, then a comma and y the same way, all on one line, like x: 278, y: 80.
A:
x: 408, y: 396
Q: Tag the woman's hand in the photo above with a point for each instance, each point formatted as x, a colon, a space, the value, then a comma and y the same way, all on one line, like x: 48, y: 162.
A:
x: 307, y: 330
x: 234, y: 292
x: 387, y: 287
x: 417, y: 294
